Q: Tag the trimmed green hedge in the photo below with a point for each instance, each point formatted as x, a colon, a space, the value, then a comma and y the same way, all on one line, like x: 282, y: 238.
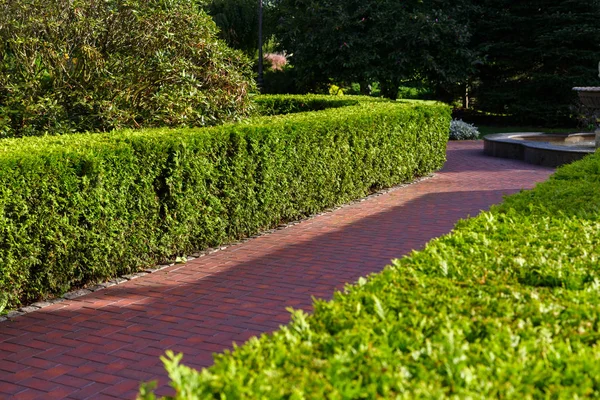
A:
x: 505, y: 306
x: 81, y: 208
x: 278, y: 104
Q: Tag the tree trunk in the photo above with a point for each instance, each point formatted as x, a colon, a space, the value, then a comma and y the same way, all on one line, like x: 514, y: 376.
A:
x: 466, y: 97
x: 365, y: 88
x: 389, y: 89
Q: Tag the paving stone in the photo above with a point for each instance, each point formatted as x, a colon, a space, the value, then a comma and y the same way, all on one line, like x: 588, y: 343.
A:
x: 14, y: 314
x: 42, y: 304
x: 76, y: 293
x: 28, y: 309
x: 97, y: 287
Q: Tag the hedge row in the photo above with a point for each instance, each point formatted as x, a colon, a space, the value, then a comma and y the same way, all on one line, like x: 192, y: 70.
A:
x: 287, y: 104
x: 81, y: 208
x: 505, y: 306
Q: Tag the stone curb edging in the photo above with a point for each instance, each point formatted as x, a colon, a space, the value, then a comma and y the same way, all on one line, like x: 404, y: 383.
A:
x: 527, y: 147
x: 125, y: 278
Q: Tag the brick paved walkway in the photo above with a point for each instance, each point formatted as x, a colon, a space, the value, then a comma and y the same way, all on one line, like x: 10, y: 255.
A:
x: 104, y: 344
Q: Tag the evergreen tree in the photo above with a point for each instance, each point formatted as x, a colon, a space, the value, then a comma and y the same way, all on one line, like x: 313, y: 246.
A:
x: 377, y: 40
x: 534, y: 52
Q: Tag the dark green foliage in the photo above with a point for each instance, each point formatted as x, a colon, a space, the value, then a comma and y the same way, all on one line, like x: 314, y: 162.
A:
x: 80, y: 208
x: 284, y: 81
x: 534, y: 53
x: 96, y: 65
x: 238, y: 22
x: 386, y: 41
x: 505, y: 306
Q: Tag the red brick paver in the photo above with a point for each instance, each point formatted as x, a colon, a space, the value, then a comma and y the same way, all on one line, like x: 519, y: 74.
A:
x: 104, y: 344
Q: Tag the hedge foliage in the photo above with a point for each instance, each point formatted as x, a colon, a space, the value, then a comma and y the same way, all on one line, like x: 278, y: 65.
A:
x: 80, y: 208
x: 277, y: 104
x: 96, y: 65
x: 505, y: 306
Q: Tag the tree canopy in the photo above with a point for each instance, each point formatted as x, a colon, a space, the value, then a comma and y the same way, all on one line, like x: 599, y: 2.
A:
x: 534, y: 52
x: 384, y: 40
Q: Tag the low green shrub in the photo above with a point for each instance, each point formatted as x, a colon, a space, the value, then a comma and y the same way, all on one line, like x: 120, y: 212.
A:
x: 80, y: 208
x: 288, y: 104
x: 505, y: 306
x: 96, y: 65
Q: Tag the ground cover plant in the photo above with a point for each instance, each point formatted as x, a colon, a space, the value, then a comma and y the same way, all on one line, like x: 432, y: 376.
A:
x: 505, y: 306
x: 80, y: 208
x: 95, y: 65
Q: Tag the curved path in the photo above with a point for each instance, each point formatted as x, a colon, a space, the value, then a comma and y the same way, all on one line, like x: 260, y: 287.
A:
x: 104, y: 344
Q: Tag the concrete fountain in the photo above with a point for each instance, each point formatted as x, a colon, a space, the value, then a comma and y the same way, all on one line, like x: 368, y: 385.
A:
x: 550, y: 149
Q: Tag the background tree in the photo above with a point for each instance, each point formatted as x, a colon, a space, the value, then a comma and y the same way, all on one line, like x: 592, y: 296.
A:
x: 384, y: 40
x: 238, y: 22
x: 534, y: 53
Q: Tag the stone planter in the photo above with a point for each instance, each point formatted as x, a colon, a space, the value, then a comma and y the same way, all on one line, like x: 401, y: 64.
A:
x: 590, y: 97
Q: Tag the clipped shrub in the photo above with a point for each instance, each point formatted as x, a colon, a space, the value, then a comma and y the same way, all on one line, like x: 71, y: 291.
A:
x: 505, y: 306
x: 96, y: 65
x: 81, y: 208
x: 460, y: 130
x: 289, y: 104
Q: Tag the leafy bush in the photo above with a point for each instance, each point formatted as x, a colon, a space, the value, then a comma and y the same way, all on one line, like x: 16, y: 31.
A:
x: 504, y: 306
x: 96, y: 65
x: 460, y: 130
x: 81, y: 208
x: 3, y: 301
